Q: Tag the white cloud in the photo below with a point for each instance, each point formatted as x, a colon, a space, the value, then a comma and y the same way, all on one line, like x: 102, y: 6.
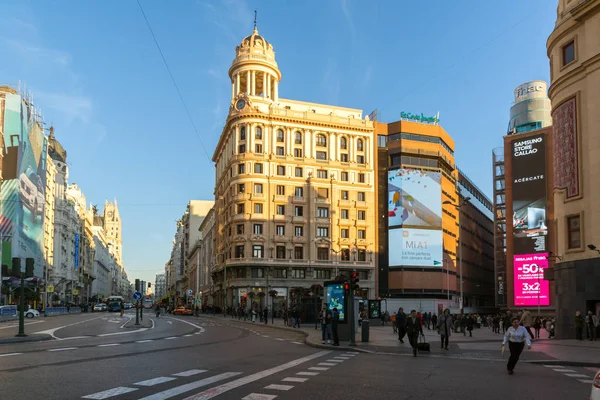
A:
x: 347, y: 15
x: 73, y: 107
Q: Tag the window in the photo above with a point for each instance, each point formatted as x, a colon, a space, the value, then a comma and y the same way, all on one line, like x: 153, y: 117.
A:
x: 344, y: 214
x: 359, y: 145
x: 242, y: 148
x: 242, y: 188
x: 257, y: 229
x: 362, y: 234
x: 323, y: 274
x: 322, y: 193
x: 321, y: 173
x: 361, y: 196
x: 321, y: 155
x: 298, y: 211
x: 298, y: 153
x: 281, y: 272
x: 362, y: 214
x: 344, y: 157
x: 280, y: 229
x: 344, y: 176
x: 298, y: 253
x: 298, y: 172
x: 280, y: 253
x: 345, y: 254
x: 257, y: 251
x: 568, y: 52
x: 258, y: 188
x: 258, y: 133
x: 323, y: 212
x: 344, y: 195
x: 239, y: 229
x: 298, y: 273
x: 360, y: 159
x: 343, y: 143
x: 258, y: 148
x: 281, y: 190
x: 573, y: 232
x: 323, y: 253
x: 298, y: 138
x: 381, y: 141
x: 258, y: 208
x: 241, y: 168
x: 321, y: 140
x: 322, y: 231
x: 281, y: 170
x: 361, y: 178
x: 299, y: 231
x: 280, y: 137
x: 280, y: 209
x: 299, y: 192
x: 240, y: 272
x: 258, y: 168
x: 345, y: 233
x: 242, y: 133
x: 280, y: 151
x: 239, y: 251
x: 362, y: 255
x: 257, y: 272
x: 240, y: 208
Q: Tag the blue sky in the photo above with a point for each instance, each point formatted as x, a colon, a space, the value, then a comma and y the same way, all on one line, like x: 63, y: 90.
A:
x: 96, y: 74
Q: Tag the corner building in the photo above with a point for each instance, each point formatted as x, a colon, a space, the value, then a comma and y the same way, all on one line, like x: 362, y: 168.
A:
x: 294, y: 191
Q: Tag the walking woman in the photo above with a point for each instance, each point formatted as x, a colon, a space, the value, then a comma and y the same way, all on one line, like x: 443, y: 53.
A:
x: 444, y: 327
x: 516, y: 336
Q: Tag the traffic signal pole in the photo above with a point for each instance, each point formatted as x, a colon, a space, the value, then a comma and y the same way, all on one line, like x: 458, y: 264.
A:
x: 22, y: 308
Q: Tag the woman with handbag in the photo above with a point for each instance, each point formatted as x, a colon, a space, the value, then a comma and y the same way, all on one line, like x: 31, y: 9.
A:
x: 444, y: 327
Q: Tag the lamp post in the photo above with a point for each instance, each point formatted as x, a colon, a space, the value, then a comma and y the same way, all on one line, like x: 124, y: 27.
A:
x: 460, y: 258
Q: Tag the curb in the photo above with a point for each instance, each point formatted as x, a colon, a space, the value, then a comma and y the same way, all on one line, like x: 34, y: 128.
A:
x: 26, y: 339
x: 565, y: 363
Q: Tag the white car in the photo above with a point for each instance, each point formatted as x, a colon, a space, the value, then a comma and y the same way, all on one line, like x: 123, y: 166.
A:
x: 32, y: 313
x: 595, y: 395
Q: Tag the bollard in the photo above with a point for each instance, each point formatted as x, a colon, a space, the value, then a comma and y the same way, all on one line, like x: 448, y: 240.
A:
x: 365, y: 331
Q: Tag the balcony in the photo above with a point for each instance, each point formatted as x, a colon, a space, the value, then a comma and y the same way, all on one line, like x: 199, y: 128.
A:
x: 239, y: 217
x: 298, y: 199
x: 255, y: 196
x: 322, y: 220
x: 298, y: 239
x: 362, y: 204
x: 299, y: 220
x: 346, y: 202
x: 279, y: 197
x: 322, y: 200
x: 240, y: 196
x: 280, y: 238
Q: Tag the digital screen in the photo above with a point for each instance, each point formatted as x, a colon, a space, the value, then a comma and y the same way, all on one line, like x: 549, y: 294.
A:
x: 530, y: 287
x: 414, y: 198
x: 415, y: 247
x: 336, y: 299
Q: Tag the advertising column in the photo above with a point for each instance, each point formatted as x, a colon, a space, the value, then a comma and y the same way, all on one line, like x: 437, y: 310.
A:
x: 529, y: 222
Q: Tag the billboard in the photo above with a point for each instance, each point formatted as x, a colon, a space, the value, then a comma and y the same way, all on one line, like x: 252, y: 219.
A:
x: 336, y: 299
x: 23, y: 188
x: 530, y: 287
x: 529, y: 195
x: 415, y: 247
x: 414, y: 198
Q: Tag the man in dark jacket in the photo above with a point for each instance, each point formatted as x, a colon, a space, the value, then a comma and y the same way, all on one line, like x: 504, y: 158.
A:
x: 401, y: 322
x: 413, y: 328
x: 334, y: 327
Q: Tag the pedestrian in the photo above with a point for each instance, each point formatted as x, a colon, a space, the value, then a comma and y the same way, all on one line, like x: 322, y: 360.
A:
x: 122, y: 307
x: 266, y: 315
x: 463, y: 324
x: 401, y: 322
x: 470, y: 324
x: 527, y: 321
x: 516, y: 336
x: 591, y: 323
x: 537, y: 326
x: 393, y: 319
x: 157, y: 309
x: 444, y: 328
x: 325, y: 325
x: 335, y: 319
x: 579, y: 322
x: 507, y: 321
x: 413, y: 329
x: 434, y: 320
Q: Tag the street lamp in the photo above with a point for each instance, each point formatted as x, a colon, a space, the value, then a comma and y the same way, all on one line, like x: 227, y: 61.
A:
x: 458, y: 207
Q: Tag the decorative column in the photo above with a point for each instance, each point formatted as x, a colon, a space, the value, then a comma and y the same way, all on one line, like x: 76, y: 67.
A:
x: 268, y: 86
x: 249, y: 138
x: 233, y: 87
x: 236, y: 136
x: 267, y: 143
x: 248, y: 82
x: 264, y: 86
x: 276, y: 90
x: 253, y: 83
x: 333, y: 139
x: 308, y: 145
x: 237, y: 84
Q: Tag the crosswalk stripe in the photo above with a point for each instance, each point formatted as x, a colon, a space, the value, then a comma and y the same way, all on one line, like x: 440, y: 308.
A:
x: 337, y: 361
x: 279, y: 387
x: 563, y: 370
x: 577, y: 376
x: 307, y: 373
x: 293, y: 379
x: 9, y: 354
x: 63, y: 349
x: 318, y: 368
x: 145, y: 341
x: 586, y: 380
x: 349, y: 355
x: 326, y: 364
x: 170, y: 338
x: 109, y: 393
x: 109, y: 344
x: 297, y: 343
x: 259, y: 396
x: 342, y: 358
x: 190, y: 372
x: 176, y: 391
x: 155, y: 381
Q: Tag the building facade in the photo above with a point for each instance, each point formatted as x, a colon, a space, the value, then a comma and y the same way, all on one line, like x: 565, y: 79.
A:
x: 294, y: 181
x: 207, y: 259
x: 113, y: 229
x: 160, y: 284
x: 574, y: 53
x: 195, y: 213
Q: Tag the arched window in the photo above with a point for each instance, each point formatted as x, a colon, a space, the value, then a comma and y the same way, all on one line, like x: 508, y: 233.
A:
x: 359, y: 145
x: 243, y: 132
x: 280, y: 136
x: 258, y: 133
x: 321, y: 140
x: 343, y: 143
x: 298, y: 137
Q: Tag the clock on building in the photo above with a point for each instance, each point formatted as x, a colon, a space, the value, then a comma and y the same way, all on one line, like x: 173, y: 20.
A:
x: 240, y: 104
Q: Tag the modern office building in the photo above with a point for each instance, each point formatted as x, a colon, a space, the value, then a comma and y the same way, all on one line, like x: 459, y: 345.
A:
x: 531, y: 108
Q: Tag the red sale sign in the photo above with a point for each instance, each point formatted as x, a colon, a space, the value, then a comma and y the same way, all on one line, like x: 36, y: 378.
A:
x: 530, y: 287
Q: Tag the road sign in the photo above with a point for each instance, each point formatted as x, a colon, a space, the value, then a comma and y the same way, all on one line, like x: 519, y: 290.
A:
x: 137, y: 296
x: 190, y: 292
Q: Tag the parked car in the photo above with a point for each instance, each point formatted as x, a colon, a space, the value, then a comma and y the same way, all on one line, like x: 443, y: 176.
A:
x: 14, y: 310
x: 181, y: 310
x: 32, y: 312
x: 100, y: 307
x: 595, y: 395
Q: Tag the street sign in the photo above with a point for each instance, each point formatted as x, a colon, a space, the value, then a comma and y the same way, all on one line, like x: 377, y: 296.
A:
x: 137, y: 296
x: 190, y: 292
x: 50, y: 289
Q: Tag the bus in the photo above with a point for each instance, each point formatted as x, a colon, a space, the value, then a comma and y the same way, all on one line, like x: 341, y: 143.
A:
x: 148, y: 301
x: 114, y: 303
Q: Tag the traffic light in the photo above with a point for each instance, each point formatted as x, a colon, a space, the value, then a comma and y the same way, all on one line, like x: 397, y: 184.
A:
x: 29, y: 262
x: 137, y: 285
x: 346, y: 288
x: 16, y: 266
x: 149, y: 284
x: 355, y: 280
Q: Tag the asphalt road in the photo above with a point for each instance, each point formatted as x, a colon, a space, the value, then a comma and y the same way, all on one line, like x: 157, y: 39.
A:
x: 202, y: 358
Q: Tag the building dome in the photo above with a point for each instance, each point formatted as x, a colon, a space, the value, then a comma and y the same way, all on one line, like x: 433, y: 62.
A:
x: 255, y: 49
x: 255, y: 40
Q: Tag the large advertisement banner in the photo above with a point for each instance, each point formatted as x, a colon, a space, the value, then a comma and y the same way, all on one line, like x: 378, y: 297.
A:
x: 414, y: 198
x: 529, y: 195
x: 415, y: 247
x: 336, y: 299
x: 530, y: 287
x: 23, y: 188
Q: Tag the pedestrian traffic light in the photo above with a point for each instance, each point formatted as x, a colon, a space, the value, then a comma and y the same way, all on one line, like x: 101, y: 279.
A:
x: 346, y: 288
x: 137, y: 285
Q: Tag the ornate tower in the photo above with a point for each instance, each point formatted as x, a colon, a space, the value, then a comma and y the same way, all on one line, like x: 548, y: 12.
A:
x: 112, y: 229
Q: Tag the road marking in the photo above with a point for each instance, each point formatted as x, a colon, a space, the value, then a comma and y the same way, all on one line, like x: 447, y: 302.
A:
x: 297, y: 343
x: 110, y: 393
x: 550, y: 366
x: 123, y: 333
x: 171, y: 338
x: 259, y: 396
x: 190, y: 372
x: 63, y: 349
x: 307, y: 373
x: 342, y: 358
x: 109, y: 344
x: 563, y: 370
x: 15, y: 326
x: 126, y: 322
x: 292, y: 379
x: 266, y: 336
x: 155, y: 381
x: 188, y: 335
x: 349, y: 355
x: 145, y: 341
x: 318, y: 368
x: 201, y: 329
x: 9, y: 354
x: 353, y: 352
x: 151, y: 320
x: 577, y: 375
x: 217, y: 390
x: 337, y: 361
x: 586, y: 380
x: 280, y: 339
x: 76, y: 337
x: 176, y: 391
x: 326, y: 364
x: 51, y: 331
x: 279, y: 387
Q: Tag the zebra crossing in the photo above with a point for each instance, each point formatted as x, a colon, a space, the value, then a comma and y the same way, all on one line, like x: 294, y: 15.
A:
x: 181, y: 383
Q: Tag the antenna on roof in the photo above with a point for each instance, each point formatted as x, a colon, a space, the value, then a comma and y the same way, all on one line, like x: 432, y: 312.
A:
x: 254, y: 19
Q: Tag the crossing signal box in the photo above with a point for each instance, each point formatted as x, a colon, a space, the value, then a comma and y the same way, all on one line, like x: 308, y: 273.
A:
x: 137, y: 285
x: 16, y: 266
x: 29, y: 264
x: 355, y: 280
